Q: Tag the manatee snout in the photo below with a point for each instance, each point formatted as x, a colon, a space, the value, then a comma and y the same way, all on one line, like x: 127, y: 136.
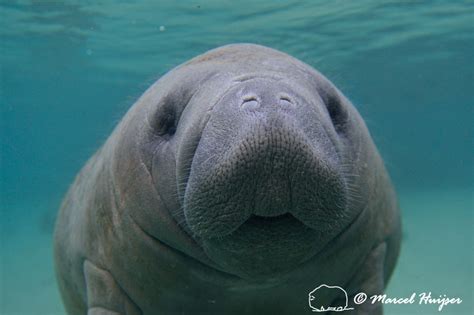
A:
x: 272, y: 170
x: 266, y: 171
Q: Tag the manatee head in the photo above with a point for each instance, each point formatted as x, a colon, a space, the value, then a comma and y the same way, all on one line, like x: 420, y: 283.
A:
x: 258, y: 158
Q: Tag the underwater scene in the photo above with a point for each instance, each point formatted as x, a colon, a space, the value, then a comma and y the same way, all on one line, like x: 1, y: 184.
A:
x: 71, y: 70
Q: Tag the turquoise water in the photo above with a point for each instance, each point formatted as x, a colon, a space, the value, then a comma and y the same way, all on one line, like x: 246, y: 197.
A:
x: 70, y: 70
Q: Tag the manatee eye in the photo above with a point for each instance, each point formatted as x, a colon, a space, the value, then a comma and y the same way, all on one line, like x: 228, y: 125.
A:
x: 166, y: 121
x: 338, y: 113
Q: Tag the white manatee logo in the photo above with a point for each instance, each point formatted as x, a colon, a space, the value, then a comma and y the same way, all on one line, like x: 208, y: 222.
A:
x: 317, y: 305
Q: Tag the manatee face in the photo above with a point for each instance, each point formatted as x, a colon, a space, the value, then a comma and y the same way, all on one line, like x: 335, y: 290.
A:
x: 259, y: 176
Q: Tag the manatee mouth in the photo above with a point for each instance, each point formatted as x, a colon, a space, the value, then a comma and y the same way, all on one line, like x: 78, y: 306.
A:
x: 268, y: 203
x: 262, y: 221
x: 272, y: 225
x: 263, y: 247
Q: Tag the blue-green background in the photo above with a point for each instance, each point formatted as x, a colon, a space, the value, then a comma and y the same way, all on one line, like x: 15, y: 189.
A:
x: 69, y: 70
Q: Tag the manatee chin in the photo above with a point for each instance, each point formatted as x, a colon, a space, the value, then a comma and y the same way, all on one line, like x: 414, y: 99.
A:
x: 265, y: 191
x: 263, y: 247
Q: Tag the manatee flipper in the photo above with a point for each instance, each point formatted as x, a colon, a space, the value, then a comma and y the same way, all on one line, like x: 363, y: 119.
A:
x: 104, y: 296
x: 368, y: 279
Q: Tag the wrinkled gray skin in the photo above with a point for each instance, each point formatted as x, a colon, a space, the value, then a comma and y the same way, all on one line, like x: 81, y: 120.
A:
x: 237, y: 183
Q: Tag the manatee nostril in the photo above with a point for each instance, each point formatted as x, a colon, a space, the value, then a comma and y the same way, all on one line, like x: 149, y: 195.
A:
x: 250, y: 102
x: 285, y: 101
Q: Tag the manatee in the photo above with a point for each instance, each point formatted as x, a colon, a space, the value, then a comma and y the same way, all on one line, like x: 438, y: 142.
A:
x: 236, y: 184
